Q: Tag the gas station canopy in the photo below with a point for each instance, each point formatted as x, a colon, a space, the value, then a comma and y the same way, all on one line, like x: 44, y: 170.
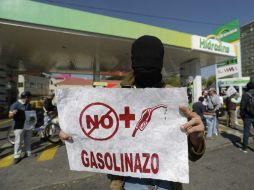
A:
x: 40, y: 37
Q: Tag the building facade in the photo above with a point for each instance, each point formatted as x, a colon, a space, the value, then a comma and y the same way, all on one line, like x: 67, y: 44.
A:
x: 247, y: 49
x: 8, y: 88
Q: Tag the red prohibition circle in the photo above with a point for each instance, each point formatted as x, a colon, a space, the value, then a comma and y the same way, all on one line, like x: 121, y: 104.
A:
x: 110, y: 109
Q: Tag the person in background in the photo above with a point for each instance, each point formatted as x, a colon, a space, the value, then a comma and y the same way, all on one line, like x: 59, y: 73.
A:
x: 50, y: 111
x: 211, y: 128
x: 237, y: 100
x: 214, y: 104
x: 48, y: 106
x: 247, y: 113
x: 205, y: 94
x: 147, y: 62
x: 199, y: 108
x: 231, y: 104
x: 17, y: 113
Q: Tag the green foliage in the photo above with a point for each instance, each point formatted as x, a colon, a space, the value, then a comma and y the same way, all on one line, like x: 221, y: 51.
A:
x: 207, y: 83
x: 211, y: 80
x: 173, y: 80
x: 204, y: 83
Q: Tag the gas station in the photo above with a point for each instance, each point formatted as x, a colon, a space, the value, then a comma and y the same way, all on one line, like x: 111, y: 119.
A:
x: 36, y: 37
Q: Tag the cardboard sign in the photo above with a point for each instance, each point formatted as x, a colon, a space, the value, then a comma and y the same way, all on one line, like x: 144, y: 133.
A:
x: 230, y: 91
x: 31, y: 120
x: 127, y: 132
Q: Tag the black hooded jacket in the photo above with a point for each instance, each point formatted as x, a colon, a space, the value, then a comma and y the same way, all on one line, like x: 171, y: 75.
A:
x: 243, y: 106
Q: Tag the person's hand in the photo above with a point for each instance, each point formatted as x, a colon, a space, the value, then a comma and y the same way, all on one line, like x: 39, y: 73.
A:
x: 194, y: 127
x: 64, y: 137
x: 12, y: 113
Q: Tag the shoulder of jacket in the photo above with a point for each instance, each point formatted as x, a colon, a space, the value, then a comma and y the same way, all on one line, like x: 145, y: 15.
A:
x: 128, y: 80
x: 168, y: 86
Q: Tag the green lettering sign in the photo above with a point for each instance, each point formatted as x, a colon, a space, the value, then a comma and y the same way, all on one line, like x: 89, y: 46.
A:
x: 229, y: 32
x: 227, y: 63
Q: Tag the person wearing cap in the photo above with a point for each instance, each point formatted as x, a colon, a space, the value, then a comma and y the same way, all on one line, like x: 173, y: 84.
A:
x: 48, y: 106
x: 49, y: 111
x: 17, y: 113
x: 147, y: 61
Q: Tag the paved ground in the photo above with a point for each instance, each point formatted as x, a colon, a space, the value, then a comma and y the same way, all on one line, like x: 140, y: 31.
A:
x: 226, y: 168
x: 223, y: 166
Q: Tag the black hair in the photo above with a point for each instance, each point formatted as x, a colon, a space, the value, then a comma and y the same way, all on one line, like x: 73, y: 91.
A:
x: 250, y: 85
x: 201, y: 99
x: 25, y: 94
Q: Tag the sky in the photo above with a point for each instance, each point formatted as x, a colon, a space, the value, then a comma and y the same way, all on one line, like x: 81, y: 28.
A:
x: 199, y: 17
x: 190, y: 16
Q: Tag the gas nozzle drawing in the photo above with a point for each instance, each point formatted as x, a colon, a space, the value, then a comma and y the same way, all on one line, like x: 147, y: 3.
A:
x: 146, y: 118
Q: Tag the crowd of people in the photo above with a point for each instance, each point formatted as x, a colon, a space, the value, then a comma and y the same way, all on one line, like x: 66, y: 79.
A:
x: 210, y: 105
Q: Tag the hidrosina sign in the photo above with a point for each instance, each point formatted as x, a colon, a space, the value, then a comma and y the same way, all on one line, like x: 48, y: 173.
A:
x: 212, y: 45
x: 228, y: 32
x: 127, y: 132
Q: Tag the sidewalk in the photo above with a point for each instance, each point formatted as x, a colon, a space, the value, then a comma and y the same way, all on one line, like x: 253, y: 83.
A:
x: 227, y: 136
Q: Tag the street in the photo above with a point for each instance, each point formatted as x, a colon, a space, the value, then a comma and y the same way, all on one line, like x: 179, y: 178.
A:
x: 223, y: 169
x: 224, y: 166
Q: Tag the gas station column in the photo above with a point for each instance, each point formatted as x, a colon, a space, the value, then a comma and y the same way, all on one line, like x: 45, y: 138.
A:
x: 197, y: 81
x: 192, y: 70
x: 96, y: 68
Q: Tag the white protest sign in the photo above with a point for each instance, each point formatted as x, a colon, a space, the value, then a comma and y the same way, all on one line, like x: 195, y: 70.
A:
x: 230, y: 91
x: 31, y: 119
x: 127, y: 132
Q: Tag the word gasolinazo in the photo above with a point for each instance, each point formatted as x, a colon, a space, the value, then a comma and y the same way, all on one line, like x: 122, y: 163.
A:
x: 127, y: 162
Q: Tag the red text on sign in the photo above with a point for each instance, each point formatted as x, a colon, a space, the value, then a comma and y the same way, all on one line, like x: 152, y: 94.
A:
x: 127, y: 162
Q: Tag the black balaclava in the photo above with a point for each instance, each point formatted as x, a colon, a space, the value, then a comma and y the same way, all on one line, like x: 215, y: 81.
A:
x: 147, y: 60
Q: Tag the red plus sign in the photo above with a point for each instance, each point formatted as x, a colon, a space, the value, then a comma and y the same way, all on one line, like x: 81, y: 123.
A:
x: 127, y: 117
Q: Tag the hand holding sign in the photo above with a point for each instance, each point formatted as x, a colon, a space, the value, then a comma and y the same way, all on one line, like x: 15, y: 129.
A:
x: 64, y: 137
x: 194, y: 127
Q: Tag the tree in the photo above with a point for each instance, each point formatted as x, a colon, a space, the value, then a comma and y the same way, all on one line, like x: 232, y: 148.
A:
x: 211, y: 81
x: 173, y: 80
x: 204, y: 83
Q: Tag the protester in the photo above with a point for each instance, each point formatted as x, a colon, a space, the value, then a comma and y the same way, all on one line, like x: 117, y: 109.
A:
x: 147, y: 61
x: 231, y: 103
x: 206, y: 96
x: 247, y: 113
x: 48, y: 107
x: 50, y: 112
x: 17, y: 112
x: 199, y: 108
x: 214, y: 104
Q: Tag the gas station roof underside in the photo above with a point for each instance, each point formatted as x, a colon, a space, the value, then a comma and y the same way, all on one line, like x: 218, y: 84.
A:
x: 37, y: 48
x: 42, y: 37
